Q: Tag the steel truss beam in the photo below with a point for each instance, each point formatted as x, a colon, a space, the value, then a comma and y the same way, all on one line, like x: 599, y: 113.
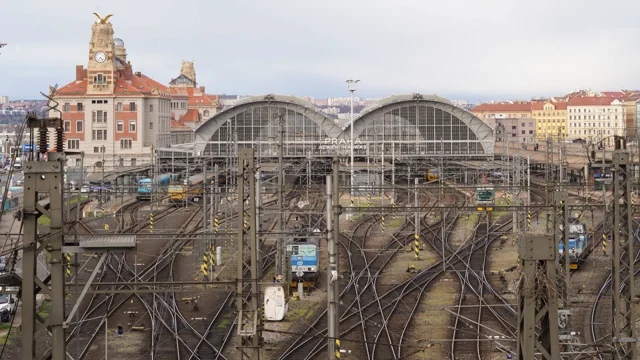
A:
x: 537, y: 298
x: 247, y: 292
x: 43, y: 177
x: 623, y: 286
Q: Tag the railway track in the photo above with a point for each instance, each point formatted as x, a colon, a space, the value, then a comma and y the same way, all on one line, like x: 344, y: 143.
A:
x: 371, y: 322
x: 600, y: 324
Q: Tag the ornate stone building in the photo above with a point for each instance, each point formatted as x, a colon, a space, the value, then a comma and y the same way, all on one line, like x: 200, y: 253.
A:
x: 199, y: 106
x: 112, y: 109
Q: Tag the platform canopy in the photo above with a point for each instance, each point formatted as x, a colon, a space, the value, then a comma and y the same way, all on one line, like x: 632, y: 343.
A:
x: 417, y: 125
x: 254, y: 122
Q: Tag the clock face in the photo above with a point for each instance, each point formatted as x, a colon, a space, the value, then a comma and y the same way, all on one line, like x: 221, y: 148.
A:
x: 100, y: 57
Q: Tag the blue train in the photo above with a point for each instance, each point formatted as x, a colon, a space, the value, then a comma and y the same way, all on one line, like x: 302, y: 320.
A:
x: 304, y: 262
x: 578, y: 243
x: 146, y: 187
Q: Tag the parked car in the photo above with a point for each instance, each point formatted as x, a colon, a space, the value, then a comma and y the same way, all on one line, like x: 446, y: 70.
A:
x: 7, y: 307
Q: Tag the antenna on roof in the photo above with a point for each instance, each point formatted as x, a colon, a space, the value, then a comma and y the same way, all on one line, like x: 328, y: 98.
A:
x: 2, y: 45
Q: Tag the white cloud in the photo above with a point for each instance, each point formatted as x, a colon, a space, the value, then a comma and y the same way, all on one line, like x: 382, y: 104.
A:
x: 497, y: 48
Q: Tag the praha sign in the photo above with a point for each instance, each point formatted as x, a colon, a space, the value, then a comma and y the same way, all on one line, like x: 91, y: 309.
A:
x: 342, y: 144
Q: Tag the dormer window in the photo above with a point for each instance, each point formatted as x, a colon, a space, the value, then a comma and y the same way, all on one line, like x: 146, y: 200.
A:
x: 100, y: 79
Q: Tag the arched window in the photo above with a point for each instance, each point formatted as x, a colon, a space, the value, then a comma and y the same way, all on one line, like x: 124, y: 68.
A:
x: 99, y: 79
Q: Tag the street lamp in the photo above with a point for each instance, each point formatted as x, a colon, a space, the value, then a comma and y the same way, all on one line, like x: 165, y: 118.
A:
x: 351, y: 86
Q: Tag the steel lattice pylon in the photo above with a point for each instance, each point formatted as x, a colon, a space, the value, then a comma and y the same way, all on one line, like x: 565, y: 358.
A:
x: 623, y: 285
x: 247, y: 292
x: 561, y: 232
x: 538, y: 299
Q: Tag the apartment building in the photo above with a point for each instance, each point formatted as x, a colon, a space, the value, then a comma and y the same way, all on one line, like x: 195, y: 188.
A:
x: 550, y: 119
x: 596, y: 118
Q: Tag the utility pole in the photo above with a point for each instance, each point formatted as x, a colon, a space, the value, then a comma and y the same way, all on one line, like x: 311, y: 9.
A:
x: 333, y: 289
x: 281, y: 249
x: 623, y: 294
x: 561, y: 233
x: 351, y: 86
x: 537, y: 299
x: 332, y: 276
x: 204, y: 248
x: 247, y: 292
x: 44, y: 177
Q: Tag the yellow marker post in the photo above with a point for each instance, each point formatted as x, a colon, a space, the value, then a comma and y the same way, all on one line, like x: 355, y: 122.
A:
x: 393, y: 210
x: 416, y: 246
x: 604, y: 244
x: 68, y: 270
x: 337, y: 348
x: 151, y: 221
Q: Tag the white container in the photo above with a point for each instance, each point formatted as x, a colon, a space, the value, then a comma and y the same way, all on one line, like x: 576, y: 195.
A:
x: 275, y: 303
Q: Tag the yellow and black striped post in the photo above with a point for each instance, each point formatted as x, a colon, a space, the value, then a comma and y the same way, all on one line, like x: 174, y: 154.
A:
x: 393, y: 210
x: 205, y: 270
x: 604, y: 244
x: 337, y: 348
x: 151, y: 221
x: 508, y: 199
x: 216, y: 224
x: 416, y: 246
x: 67, y: 256
x: 528, y: 219
x: 368, y: 200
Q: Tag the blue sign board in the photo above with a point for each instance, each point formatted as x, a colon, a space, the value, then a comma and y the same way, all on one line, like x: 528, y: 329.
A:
x: 31, y: 147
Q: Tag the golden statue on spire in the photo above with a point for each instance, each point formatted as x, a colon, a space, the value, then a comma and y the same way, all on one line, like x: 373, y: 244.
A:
x: 104, y: 20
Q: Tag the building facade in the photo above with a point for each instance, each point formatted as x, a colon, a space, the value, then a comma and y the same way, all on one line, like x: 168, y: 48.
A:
x: 4, y: 99
x: 491, y: 112
x: 596, y: 118
x: 550, y: 119
x: 110, y: 109
x: 185, y: 87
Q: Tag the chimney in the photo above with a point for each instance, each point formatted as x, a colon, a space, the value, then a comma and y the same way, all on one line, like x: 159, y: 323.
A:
x: 202, y: 89
x: 128, y: 72
x: 79, y: 72
x: 138, y: 74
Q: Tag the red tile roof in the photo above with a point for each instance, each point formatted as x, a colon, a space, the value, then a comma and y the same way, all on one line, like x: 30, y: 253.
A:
x: 590, y: 101
x: 503, y: 107
x: 129, y: 88
x: 613, y: 94
x: 73, y: 88
x: 190, y: 115
x: 178, y: 125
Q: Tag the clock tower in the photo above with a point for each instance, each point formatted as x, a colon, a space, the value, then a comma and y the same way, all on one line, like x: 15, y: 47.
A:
x: 101, y: 70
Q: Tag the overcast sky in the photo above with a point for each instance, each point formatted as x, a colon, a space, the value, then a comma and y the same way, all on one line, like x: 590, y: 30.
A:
x: 473, y: 50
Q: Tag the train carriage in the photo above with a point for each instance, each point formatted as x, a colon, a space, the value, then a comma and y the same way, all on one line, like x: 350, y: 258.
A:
x: 146, y: 187
x: 191, y: 190
x: 304, y: 262
x: 578, y: 244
